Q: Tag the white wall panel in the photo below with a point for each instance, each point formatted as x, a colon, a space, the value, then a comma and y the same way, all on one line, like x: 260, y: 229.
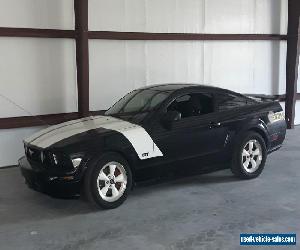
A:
x: 146, y: 15
x: 248, y: 67
x: 37, y: 74
x: 50, y: 14
x: 271, y: 16
x: 191, y: 16
x: 246, y: 16
x: 229, y: 65
x: 297, y: 111
x: 175, y: 61
x: 117, y: 15
x: 298, y: 83
x: 175, y: 16
x: 230, y: 16
x: 116, y: 67
x: 279, y: 56
x: 11, y: 144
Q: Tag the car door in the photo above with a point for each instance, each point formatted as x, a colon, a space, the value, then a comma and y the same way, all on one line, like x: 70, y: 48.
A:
x: 195, y: 135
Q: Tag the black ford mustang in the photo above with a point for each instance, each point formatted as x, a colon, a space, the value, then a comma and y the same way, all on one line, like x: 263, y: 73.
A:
x: 178, y: 127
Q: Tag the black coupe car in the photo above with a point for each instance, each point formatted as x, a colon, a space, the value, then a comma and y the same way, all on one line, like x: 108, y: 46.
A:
x: 152, y: 131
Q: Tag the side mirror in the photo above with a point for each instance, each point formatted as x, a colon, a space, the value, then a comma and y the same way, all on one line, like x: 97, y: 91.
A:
x: 169, y: 118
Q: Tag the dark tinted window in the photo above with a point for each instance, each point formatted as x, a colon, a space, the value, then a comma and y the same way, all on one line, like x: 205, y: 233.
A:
x: 192, y: 105
x: 229, y: 101
x: 138, y: 101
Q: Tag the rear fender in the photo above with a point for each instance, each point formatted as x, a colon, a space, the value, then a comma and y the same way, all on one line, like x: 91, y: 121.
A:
x: 257, y: 125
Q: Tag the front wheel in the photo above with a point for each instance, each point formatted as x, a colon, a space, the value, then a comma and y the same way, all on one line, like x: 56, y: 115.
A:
x: 108, y: 181
x: 249, y: 156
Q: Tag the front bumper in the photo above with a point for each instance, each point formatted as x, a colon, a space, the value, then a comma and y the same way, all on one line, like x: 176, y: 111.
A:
x: 44, y: 181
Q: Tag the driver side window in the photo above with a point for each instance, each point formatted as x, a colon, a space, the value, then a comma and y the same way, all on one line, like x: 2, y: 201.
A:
x: 190, y: 105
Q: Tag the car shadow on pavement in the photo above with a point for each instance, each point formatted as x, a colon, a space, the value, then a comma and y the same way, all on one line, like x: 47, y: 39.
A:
x: 222, y: 176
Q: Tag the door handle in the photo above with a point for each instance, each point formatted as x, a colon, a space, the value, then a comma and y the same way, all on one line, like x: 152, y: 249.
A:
x: 214, y: 124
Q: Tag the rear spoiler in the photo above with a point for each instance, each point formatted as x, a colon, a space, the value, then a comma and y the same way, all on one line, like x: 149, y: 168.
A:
x: 264, y: 98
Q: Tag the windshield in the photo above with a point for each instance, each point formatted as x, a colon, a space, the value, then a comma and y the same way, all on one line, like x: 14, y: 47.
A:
x: 142, y: 100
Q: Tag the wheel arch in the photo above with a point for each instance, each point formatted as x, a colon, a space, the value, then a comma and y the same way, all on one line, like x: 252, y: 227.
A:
x: 262, y: 133
x: 258, y: 126
x: 128, y: 159
x: 98, y: 155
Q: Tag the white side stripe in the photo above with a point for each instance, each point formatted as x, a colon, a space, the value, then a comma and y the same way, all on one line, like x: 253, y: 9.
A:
x: 137, y: 135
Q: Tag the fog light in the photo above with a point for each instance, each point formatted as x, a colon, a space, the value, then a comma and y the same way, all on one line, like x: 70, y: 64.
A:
x: 76, y: 162
x: 68, y: 178
x: 42, y: 156
x: 55, y: 159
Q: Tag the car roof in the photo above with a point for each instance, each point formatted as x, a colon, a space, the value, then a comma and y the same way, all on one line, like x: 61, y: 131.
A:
x: 172, y: 87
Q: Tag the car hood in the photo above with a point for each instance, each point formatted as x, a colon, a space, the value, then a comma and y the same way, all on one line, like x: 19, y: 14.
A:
x: 136, y: 135
x: 54, y: 134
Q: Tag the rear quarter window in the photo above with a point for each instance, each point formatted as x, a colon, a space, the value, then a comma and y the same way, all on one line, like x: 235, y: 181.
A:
x: 229, y: 101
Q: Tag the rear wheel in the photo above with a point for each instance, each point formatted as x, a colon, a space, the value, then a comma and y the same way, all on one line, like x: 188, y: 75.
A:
x: 108, y: 181
x: 249, y: 156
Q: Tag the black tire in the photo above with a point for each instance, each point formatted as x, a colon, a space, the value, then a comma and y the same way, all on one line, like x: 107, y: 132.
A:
x: 90, y: 185
x: 237, y: 167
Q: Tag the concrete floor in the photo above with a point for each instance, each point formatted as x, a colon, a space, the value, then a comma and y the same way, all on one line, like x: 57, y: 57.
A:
x: 201, y: 212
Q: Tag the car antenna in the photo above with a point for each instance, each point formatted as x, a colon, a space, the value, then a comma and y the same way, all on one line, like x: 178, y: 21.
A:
x: 23, y: 109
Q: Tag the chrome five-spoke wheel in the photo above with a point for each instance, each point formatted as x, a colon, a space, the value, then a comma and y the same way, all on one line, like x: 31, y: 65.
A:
x: 112, y: 181
x: 108, y: 180
x: 251, y: 156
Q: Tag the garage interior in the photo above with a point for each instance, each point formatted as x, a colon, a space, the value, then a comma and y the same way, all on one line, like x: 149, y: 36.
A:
x: 63, y: 60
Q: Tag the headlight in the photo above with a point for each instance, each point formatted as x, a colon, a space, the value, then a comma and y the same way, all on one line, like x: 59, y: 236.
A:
x: 76, y: 161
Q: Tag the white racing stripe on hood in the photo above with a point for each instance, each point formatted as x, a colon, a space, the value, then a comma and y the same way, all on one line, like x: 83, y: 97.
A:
x: 50, y: 128
x: 137, y: 136
x: 54, y: 134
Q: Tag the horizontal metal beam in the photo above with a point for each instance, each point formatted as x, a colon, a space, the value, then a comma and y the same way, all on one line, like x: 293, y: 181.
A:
x: 40, y: 120
x: 282, y: 98
x: 39, y: 33
x: 114, y: 35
